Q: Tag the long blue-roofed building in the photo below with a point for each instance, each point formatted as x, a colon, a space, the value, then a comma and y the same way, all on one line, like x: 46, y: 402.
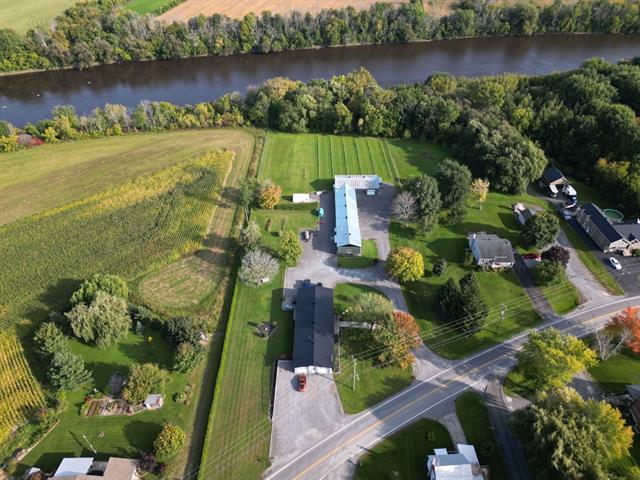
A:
x: 347, y: 234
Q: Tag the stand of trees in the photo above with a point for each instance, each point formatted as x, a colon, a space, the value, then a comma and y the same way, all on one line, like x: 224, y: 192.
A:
x: 102, y: 31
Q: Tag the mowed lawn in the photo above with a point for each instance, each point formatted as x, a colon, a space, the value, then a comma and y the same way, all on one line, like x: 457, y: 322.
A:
x: 373, y: 382
x: 308, y: 162
x: 474, y: 417
x: 21, y: 15
x: 404, y: 454
x: 498, y: 288
x: 121, y: 435
x: 237, y: 441
x: 46, y: 177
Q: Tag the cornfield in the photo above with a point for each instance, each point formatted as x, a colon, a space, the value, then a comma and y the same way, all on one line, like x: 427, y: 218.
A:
x: 125, y: 231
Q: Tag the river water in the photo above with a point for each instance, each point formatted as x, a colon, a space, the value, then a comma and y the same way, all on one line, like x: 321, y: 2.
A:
x: 30, y: 97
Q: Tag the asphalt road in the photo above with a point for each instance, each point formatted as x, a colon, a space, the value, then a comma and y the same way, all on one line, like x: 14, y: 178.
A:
x: 422, y: 398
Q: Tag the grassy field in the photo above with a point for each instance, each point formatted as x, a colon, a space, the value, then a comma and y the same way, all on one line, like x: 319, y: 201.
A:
x: 278, y: 220
x: 317, y: 158
x: 375, y: 383
x: 123, y: 435
x: 367, y: 259
x: 405, y: 452
x: 474, y: 417
x: 148, y: 6
x: 22, y: 15
x: 239, y: 415
x: 39, y: 179
x: 498, y: 288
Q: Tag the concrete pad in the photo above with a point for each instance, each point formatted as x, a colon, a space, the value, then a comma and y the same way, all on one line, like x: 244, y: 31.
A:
x: 302, y: 419
x: 451, y: 421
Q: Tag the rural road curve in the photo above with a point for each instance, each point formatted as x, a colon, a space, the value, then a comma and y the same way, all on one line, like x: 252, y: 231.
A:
x: 422, y: 398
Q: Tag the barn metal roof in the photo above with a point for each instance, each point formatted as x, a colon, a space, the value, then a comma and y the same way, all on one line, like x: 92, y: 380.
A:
x: 347, y: 225
x: 359, y: 182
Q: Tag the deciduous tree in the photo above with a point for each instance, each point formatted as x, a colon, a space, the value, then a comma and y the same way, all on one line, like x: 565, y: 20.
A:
x: 425, y: 189
x: 104, y: 322
x: 370, y: 307
x: 404, y: 207
x: 541, y: 230
x: 187, y: 356
x: 111, y: 284
x: 257, y: 266
x: 397, y: 334
x: 168, y: 443
x: 454, y: 181
x: 290, y: 247
x: 269, y: 195
x: 479, y: 191
x: 549, y: 272
x: 405, y: 264
x: 557, y: 253
x: 185, y: 330
x: 143, y: 379
x: 250, y: 235
x: 550, y: 359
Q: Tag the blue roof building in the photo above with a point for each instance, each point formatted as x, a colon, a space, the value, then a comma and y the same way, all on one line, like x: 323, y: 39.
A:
x: 347, y: 233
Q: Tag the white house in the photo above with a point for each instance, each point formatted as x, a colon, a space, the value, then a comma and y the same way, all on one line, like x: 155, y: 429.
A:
x: 87, y: 468
x: 463, y: 465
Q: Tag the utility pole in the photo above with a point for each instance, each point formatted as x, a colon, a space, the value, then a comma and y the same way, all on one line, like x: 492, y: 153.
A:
x: 353, y: 386
x: 503, y: 309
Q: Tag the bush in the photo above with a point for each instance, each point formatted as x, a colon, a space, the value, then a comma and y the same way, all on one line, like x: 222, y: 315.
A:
x: 143, y: 379
x: 288, y: 205
x: 110, y: 284
x: 440, y: 267
x: 487, y: 449
x: 405, y: 264
x: 290, y: 247
x: 168, y: 442
x: 187, y: 357
x: 549, y: 272
x: 557, y: 253
x: 250, y: 235
x: 104, y: 322
x: 185, y: 330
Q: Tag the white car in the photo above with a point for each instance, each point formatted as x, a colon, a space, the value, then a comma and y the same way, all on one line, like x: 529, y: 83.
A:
x: 615, y: 263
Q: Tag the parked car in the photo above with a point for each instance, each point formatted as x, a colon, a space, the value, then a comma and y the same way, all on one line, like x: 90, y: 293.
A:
x: 531, y: 256
x: 302, y: 383
x: 566, y: 214
x: 615, y: 263
x: 306, y: 235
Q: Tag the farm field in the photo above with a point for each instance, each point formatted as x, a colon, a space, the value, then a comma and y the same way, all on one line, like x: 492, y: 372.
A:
x: 405, y: 452
x: 22, y: 15
x: 43, y: 273
x: 316, y: 158
x: 375, y: 384
x: 39, y: 179
x: 239, y: 8
x: 148, y: 6
x: 237, y: 441
x: 474, y: 417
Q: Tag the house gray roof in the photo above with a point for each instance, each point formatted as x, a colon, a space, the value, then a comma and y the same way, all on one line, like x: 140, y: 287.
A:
x: 347, y: 225
x: 629, y: 231
x: 492, y: 247
x: 601, y: 221
x: 552, y: 174
x: 359, y: 182
x: 314, y: 327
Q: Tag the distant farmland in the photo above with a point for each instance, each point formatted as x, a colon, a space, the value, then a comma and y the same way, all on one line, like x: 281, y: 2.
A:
x: 239, y: 8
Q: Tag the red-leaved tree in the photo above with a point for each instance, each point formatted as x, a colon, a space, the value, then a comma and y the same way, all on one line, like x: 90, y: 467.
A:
x: 622, y: 329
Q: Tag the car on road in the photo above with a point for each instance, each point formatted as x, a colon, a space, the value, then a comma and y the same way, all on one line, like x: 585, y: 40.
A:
x: 615, y: 263
x: 302, y: 383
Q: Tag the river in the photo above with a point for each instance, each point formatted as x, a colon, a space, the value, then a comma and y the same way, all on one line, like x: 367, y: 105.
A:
x: 29, y: 97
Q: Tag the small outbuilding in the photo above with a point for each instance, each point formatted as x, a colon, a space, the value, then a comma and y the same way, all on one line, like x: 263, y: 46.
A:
x: 358, y: 182
x: 523, y: 213
x: 154, y: 401
x: 553, y: 176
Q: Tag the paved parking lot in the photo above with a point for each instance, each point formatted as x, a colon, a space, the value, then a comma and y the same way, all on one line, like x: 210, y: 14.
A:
x: 301, y: 419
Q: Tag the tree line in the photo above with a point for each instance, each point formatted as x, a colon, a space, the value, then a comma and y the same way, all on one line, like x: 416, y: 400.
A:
x: 505, y: 128
x: 104, y: 31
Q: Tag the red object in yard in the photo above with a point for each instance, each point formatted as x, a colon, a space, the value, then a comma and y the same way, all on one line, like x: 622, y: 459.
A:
x: 532, y: 256
x: 302, y: 383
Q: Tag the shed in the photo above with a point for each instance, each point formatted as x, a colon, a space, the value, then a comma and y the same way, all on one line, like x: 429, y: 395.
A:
x: 358, y: 182
x: 71, y: 467
x: 313, y: 342
x: 347, y: 234
x: 553, y: 176
x: 301, y: 198
x: 153, y: 401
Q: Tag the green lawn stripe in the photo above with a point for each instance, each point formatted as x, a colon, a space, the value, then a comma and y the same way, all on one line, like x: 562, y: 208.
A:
x: 396, y: 178
x: 386, y: 161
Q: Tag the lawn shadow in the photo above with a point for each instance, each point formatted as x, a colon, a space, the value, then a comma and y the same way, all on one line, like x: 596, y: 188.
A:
x: 48, y: 462
x: 141, y: 434
x: 102, y: 373
x: 322, y: 184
